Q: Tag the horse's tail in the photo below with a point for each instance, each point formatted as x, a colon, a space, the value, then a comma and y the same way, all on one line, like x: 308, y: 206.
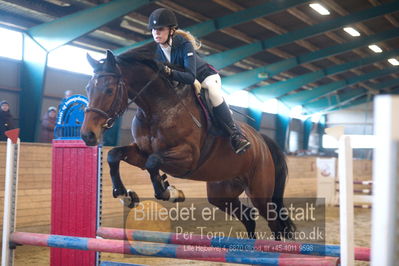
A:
x: 286, y: 226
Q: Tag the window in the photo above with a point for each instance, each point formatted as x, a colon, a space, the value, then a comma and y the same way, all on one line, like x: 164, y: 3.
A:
x: 73, y: 59
x: 296, y: 112
x: 67, y: 57
x: 271, y: 106
x: 238, y: 98
x: 10, y: 44
x: 293, y: 141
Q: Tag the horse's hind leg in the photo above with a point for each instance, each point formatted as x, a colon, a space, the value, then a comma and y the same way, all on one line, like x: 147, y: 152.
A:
x: 162, y: 189
x: 224, y: 195
x: 262, y: 204
x: 132, y: 155
x: 261, y: 190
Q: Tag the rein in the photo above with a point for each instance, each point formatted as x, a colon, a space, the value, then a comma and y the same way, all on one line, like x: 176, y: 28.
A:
x: 145, y: 87
x: 118, y: 106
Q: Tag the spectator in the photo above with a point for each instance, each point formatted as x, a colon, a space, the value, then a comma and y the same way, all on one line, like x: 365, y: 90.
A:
x: 67, y: 94
x: 6, y: 120
x: 48, y: 124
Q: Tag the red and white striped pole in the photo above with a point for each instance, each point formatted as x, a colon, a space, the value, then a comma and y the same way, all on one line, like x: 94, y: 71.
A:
x: 10, y: 195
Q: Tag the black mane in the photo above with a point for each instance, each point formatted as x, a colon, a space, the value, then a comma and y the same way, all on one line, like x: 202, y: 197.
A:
x: 144, y: 54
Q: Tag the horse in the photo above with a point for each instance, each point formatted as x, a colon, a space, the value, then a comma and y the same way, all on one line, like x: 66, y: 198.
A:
x: 170, y: 136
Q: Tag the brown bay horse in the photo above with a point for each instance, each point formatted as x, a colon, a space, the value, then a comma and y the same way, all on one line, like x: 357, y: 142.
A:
x: 169, y: 136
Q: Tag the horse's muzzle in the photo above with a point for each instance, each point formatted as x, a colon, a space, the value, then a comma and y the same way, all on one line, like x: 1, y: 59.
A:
x: 89, y: 138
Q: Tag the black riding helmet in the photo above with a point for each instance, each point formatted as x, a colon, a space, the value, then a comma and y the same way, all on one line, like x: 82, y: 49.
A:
x: 162, y: 17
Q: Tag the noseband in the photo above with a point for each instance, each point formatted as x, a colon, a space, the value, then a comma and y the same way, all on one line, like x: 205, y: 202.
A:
x: 120, y: 103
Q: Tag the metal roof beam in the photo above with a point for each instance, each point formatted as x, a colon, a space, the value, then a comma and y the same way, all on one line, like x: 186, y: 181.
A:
x: 346, y: 99
x: 236, y: 18
x: 66, y: 29
x: 226, y: 58
x: 247, y: 78
x: 388, y: 17
x: 201, y: 29
x: 210, y: 47
x: 306, y: 96
x: 350, y: 102
x: 229, y: 4
x: 357, y: 101
x: 333, y: 36
x: 335, y: 100
x: 280, y: 88
x: 331, y: 4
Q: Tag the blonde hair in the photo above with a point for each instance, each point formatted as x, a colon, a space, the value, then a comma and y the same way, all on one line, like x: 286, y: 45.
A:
x: 196, y: 44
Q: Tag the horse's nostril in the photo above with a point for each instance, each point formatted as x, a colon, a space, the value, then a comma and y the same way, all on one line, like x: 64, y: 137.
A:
x: 89, y: 138
x: 91, y: 135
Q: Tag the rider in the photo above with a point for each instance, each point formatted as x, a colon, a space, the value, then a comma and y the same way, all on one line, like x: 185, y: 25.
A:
x: 178, y: 48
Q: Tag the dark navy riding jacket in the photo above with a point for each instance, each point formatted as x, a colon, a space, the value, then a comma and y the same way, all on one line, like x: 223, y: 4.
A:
x: 184, y: 55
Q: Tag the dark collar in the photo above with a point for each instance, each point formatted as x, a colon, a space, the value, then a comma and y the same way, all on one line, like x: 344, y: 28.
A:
x: 178, y: 40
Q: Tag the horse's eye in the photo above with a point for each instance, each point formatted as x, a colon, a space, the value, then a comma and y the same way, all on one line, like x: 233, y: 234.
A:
x: 108, y: 91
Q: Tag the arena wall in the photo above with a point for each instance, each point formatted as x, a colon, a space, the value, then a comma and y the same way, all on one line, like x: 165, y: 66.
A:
x: 34, y: 187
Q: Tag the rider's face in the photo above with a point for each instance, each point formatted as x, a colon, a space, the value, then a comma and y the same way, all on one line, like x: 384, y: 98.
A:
x: 160, y: 35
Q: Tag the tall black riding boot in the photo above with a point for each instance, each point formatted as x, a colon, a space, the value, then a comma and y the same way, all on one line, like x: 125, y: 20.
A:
x: 239, y: 142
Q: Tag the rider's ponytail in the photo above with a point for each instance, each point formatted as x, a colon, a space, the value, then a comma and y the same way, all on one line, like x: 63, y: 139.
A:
x: 196, y: 44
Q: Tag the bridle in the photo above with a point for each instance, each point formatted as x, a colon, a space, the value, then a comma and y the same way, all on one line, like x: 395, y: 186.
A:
x: 119, y: 104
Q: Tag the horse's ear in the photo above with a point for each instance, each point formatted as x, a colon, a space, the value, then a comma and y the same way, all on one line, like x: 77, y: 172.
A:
x: 93, y: 62
x: 110, y: 58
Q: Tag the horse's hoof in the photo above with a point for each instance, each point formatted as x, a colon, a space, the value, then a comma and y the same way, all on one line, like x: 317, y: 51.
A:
x: 175, y: 195
x: 131, y: 200
x: 171, y: 194
x: 119, y: 193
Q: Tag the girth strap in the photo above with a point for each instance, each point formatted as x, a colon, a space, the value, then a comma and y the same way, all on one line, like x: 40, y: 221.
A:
x: 204, y: 153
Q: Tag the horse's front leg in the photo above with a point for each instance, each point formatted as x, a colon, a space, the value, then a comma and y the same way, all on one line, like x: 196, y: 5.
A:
x: 162, y: 189
x: 132, y: 155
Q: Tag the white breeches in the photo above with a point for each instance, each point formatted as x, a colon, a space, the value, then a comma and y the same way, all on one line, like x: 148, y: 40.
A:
x: 214, y: 85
